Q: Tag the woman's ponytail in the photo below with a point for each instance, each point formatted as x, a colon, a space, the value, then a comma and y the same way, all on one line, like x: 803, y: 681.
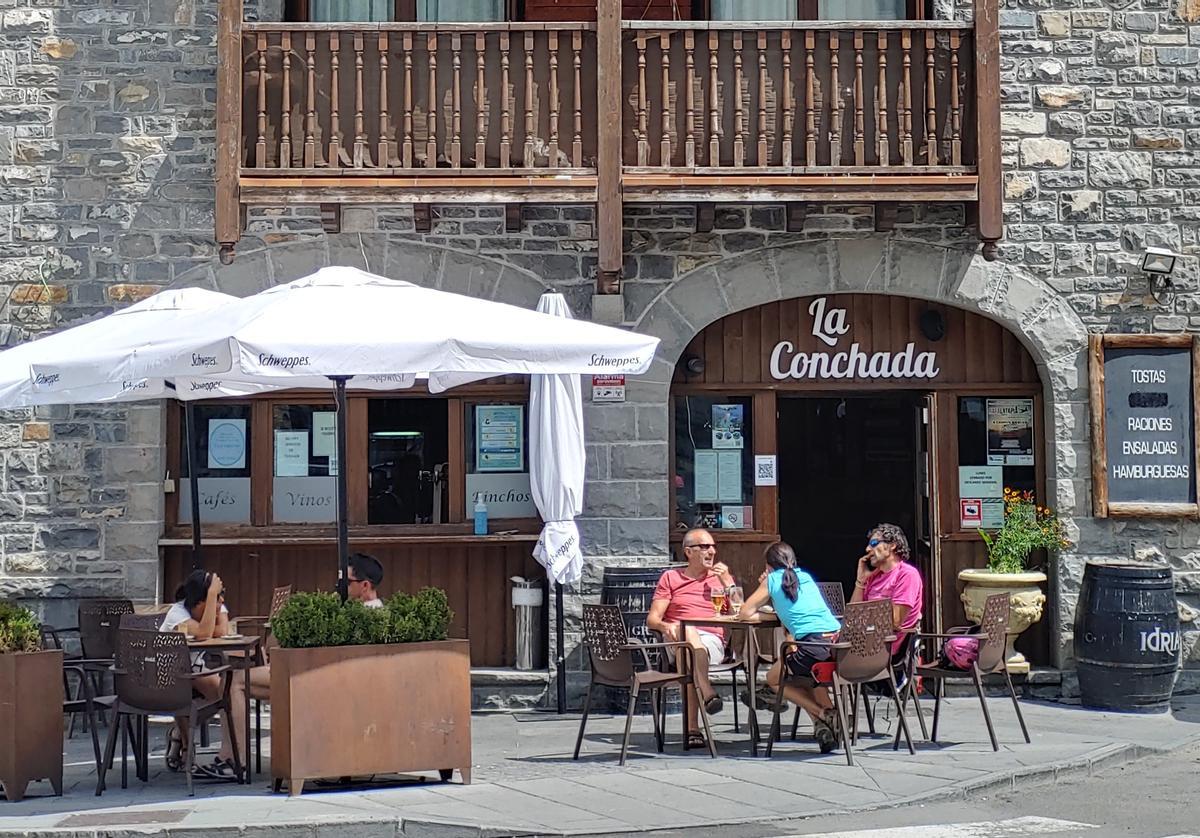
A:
x: 781, y: 556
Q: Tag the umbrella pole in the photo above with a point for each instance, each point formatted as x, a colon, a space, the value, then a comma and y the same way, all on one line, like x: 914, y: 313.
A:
x: 189, y: 424
x: 561, y: 663
x: 343, y: 532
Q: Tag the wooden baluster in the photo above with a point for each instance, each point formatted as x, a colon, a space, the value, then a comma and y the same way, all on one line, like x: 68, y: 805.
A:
x: 931, y: 154
x: 360, y: 130
x: 881, y: 114
x: 643, y: 144
x: 456, y: 116
x: 335, y: 120
x: 955, y: 105
x: 577, y: 99
x: 260, y: 146
x: 431, y: 115
x: 762, y: 159
x: 553, y: 37
x: 664, y: 45
x: 739, y: 113
x: 835, y: 104
x: 384, y: 159
x: 530, y: 123
x: 481, y: 124
x: 810, y: 100
x: 689, y: 142
x: 406, y: 151
x: 906, y: 85
x: 786, y: 93
x: 310, y: 115
x: 506, y: 105
x: 714, y: 101
x: 285, y: 131
x: 860, y: 151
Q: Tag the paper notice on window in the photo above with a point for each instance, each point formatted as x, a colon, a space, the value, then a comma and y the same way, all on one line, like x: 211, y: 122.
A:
x: 291, y: 453
x: 226, y: 443
x: 728, y: 421
x: 1010, y: 432
x: 324, y: 439
x: 729, y: 476
x: 704, y: 476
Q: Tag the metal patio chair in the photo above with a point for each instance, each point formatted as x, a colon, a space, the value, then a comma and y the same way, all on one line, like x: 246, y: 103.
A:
x: 261, y: 625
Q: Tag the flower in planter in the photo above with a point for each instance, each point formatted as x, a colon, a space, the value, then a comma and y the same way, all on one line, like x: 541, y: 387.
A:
x: 1027, y: 527
x: 311, y: 620
x: 19, y: 630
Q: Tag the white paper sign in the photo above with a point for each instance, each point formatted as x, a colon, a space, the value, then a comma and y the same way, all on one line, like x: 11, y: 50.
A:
x: 291, y: 453
x: 766, y: 470
x: 981, y: 482
x: 226, y: 443
x: 304, y: 500
x: 223, y: 500
x: 729, y: 476
x: 506, y: 495
x: 705, y: 476
x: 735, y: 517
x: 324, y: 439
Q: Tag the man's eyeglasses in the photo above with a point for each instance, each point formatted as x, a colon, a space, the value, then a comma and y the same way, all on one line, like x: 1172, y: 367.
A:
x: 700, y: 546
x: 874, y: 542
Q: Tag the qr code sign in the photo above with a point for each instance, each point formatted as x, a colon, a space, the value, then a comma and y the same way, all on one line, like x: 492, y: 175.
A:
x: 765, y: 470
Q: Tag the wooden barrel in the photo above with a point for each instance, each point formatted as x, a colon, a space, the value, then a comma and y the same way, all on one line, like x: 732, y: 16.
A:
x: 1127, y: 638
x: 632, y: 590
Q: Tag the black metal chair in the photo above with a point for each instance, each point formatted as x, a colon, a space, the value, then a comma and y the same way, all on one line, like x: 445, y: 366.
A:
x: 835, y: 597
x: 261, y: 625
x: 99, y: 622
x: 991, y: 637
x: 153, y: 676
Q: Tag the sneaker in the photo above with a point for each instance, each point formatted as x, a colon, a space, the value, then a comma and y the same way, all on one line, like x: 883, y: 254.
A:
x: 218, y: 769
x: 830, y: 718
x: 765, y: 698
x: 825, y: 736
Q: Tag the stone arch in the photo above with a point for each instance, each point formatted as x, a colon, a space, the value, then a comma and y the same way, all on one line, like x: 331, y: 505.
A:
x: 428, y: 265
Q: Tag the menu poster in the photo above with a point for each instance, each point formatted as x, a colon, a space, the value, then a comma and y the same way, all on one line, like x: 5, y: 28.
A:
x: 705, y: 476
x: 324, y: 440
x: 729, y: 476
x: 1010, y: 432
x: 499, y: 437
x: 727, y: 425
x: 226, y: 443
x: 291, y: 453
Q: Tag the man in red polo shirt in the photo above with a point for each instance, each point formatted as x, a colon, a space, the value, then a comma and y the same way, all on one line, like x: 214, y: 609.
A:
x: 686, y: 593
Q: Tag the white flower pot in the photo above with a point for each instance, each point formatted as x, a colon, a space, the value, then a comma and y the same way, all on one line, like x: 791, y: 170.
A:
x: 1025, y: 602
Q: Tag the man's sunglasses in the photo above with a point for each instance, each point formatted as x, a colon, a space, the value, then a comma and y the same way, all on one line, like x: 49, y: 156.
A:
x: 702, y: 546
x: 874, y: 542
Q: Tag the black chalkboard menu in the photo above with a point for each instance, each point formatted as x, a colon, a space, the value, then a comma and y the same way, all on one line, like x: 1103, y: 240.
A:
x: 1144, y: 428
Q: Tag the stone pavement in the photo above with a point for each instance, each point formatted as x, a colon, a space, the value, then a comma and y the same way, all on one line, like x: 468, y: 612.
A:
x: 525, y: 782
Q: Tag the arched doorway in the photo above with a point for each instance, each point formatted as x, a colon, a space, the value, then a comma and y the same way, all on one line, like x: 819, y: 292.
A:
x: 812, y: 419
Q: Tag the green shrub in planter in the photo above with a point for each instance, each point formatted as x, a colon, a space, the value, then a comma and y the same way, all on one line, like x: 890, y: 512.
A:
x: 321, y: 619
x: 19, y: 629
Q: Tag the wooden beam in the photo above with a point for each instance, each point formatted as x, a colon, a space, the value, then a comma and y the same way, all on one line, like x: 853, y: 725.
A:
x: 331, y: 218
x: 987, y: 109
x: 1096, y: 404
x: 608, y: 162
x: 885, y: 218
x: 512, y: 218
x: 422, y: 218
x: 796, y: 211
x: 706, y: 215
x: 227, y: 227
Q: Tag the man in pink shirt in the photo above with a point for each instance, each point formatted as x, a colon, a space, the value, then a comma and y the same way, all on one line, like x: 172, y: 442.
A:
x: 884, y: 573
x: 687, y: 593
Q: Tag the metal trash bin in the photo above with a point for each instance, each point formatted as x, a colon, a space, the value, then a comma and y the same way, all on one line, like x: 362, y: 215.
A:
x: 528, y: 598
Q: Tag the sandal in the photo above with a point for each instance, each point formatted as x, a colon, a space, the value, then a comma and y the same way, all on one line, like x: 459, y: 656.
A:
x: 695, y: 739
x: 176, y: 754
x: 713, y: 704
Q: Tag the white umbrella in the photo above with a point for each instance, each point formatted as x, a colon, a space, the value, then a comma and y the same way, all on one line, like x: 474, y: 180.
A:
x: 342, y: 322
x: 557, y: 460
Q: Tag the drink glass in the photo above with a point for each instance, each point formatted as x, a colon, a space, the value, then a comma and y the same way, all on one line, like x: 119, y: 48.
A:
x: 736, y: 599
x: 718, y: 600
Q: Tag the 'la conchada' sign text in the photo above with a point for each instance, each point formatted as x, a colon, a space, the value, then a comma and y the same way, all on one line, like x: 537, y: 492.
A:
x: 828, y: 327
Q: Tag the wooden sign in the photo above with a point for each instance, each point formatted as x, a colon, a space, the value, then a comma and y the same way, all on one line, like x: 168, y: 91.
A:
x: 1144, y: 430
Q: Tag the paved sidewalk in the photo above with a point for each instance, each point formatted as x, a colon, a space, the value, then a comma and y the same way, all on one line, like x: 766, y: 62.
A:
x: 525, y: 782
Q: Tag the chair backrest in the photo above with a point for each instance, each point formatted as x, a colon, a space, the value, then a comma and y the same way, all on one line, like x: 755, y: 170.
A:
x: 279, y: 598
x: 604, y: 635
x: 145, y: 622
x: 99, y: 622
x: 153, y: 669
x: 865, y: 627
x: 834, y: 595
x: 994, y: 624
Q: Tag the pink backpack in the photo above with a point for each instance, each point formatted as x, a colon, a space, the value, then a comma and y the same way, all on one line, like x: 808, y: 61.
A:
x: 961, y: 652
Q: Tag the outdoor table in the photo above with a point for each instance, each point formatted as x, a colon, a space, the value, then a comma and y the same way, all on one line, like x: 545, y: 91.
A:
x: 249, y: 649
x: 762, y: 619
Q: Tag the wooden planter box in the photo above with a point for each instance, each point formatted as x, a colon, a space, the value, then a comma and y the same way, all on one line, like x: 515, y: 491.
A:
x: 346, y: 711
x: 31, y: 721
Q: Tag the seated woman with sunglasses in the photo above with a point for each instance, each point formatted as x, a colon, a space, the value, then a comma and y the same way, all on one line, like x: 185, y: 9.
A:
x: 199, y: 611
x: 802, y: 610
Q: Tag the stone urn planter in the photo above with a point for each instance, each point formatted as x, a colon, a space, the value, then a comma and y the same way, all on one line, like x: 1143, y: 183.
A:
x: 1025, y: 602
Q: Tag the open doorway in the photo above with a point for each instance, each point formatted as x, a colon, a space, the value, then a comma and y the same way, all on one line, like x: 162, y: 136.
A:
x: 846, y: 464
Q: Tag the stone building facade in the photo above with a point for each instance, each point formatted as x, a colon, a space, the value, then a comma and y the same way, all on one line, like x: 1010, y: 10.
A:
x: 107, y: 113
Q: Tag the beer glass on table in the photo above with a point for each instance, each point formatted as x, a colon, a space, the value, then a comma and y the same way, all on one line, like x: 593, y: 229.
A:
x: 718, y: 599
x: 735, y: 599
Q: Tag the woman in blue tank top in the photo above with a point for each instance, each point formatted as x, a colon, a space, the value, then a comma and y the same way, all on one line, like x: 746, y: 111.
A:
x: 802, y: 610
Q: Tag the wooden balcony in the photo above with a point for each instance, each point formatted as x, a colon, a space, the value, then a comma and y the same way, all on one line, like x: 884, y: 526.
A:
x: 607, y: 112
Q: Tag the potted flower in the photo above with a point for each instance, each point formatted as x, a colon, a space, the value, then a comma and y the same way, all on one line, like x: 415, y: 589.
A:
x: 1027, y: 527
x: 357, y: 691
x: 31, y: 701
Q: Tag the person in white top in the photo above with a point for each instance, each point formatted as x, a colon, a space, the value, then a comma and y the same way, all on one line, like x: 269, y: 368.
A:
x: 199, y: 611
x: 365, y: 574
